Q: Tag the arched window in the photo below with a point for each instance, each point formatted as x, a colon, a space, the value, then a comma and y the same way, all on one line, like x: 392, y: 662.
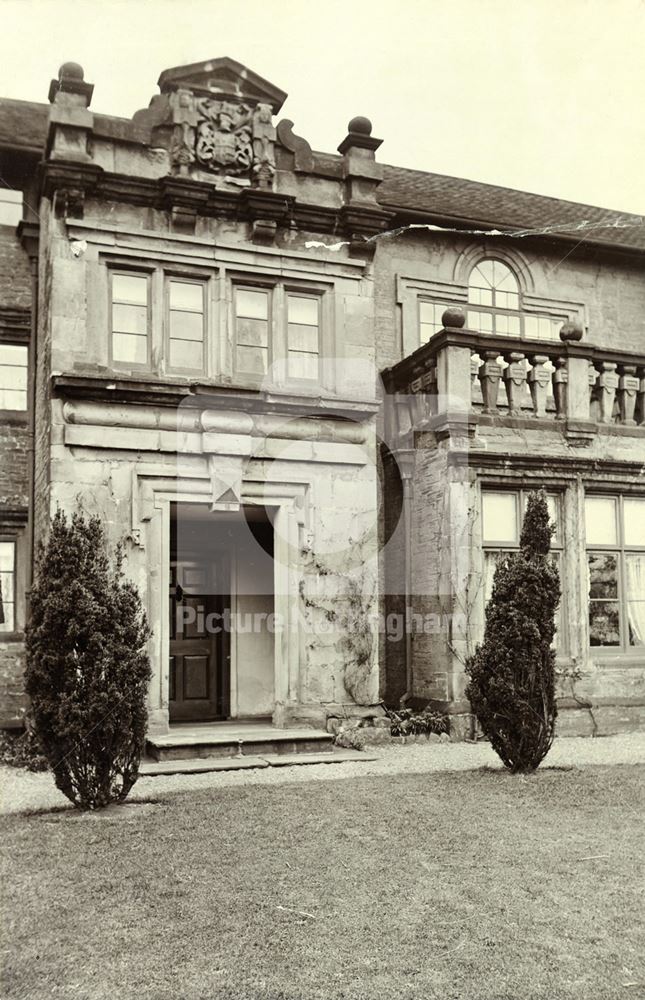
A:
x: 495, y: 305
x: 494, y: 289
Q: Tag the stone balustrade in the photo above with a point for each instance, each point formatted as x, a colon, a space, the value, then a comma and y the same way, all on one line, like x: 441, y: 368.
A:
x: 464, y: 375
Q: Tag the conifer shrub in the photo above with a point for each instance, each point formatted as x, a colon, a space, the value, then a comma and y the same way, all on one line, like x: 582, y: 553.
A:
x: 512, y: 674
x: 87, y: 667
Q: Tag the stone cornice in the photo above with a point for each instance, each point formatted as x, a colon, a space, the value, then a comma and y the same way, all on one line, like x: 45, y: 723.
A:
x: 205, y: 396
x: 561, y: 465
x: 358, y: 222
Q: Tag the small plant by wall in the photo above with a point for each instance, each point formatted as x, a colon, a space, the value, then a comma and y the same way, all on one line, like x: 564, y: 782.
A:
x: 87, y: 668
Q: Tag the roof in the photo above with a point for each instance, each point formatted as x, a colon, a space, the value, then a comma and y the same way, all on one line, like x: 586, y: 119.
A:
x: 23, y: 126
x: 466, y: 201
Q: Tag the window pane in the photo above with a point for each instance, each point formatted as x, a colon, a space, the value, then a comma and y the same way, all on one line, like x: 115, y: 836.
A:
x: 129, y: 348
x: 604, y: 623
x: 187, y: 326
x: 13, y: 354
x: 252, y: 333
x: 12, y: 400
x: 253, y: 360
x: 251, y: 303
x: 129, y: 319
x: 635, y: 576
x: 603, y: 574
x: 10, y: 207
x: 481, y: 322
x: 600, y: 520
x: 303, y: 338
x: 636, y: 622
x: 503, y: 277
x: 186, y: 354
x: 480, y: 296
x: 130, y: 288
x: 13, y: 377
x: 186, y: 295
x: 482, y: 275
x: 303, y: 310
x: 634, y: 518
x: 499, y: 512
x: 303, y: 365
x: 7, y: 552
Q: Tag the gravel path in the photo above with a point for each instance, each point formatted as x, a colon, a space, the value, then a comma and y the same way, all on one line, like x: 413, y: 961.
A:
x: 21, y: 791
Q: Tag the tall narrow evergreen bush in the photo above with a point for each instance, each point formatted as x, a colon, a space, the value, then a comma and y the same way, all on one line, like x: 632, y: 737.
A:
x: 87, y: 667
x: 512, y: 674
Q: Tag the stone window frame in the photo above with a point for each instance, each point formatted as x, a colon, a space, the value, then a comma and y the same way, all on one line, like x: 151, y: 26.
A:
x: 520, y: 493
x: 9, y: 339
x: 279, y: 289
x: 13, y: 525
x: 171, y: 274
x: 139, y: 270
x: 621, y: 549
x: 4, y: 632
x: 219, y: 281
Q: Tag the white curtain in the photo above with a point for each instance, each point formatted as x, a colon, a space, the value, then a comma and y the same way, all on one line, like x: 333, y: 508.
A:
x: 635, y: 566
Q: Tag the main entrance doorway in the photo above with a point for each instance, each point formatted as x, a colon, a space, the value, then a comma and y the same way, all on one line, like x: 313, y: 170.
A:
x: 220, y: 605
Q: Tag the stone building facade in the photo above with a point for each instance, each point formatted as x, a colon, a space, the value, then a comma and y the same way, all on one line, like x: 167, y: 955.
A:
x: 310, y: 393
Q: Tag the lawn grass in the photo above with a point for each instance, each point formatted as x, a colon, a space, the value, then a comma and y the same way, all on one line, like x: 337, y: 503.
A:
x: 455, y: 885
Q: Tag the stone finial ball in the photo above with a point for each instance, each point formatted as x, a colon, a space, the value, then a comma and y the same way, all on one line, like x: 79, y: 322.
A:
x: 71, y: 71
x: 572, y: 330
x: 453, y: 316
x: 361, y: 125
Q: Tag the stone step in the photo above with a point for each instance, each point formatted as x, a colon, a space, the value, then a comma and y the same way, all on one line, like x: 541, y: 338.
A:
x: 153, y: 768
x: 183, y: 743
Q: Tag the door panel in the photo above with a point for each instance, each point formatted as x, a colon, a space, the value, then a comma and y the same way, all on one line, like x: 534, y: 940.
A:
x: 199, y: 658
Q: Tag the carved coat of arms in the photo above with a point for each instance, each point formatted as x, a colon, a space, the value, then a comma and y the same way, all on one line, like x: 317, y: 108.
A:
x: 224, y: 135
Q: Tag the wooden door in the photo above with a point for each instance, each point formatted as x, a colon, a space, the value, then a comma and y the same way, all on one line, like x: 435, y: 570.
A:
x: 199, y: 646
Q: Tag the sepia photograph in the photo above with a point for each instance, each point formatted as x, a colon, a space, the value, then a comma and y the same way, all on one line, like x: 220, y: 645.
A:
x: 322, y: 499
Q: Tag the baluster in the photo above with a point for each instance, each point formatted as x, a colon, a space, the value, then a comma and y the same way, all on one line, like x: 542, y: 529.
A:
x: 539, y: 379
x: 640, y: 411
x: 607, y: 385
x: 514, y: 376
x: 628, y: 386
x: 475, y: 362
x: 490, y: 373
x: 560, y: 380
x: 593, y: 391
x: 431, y: 388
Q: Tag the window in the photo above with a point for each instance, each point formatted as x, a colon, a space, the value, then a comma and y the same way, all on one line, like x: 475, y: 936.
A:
x: 252, y: 326
x: 7, y: 586
x: 277, y: 325
x: 502, y: 513
x: 10, y: 207
x: 494, y: 289
x: 186, y: 324
x: 13, y: 376
x: 303, y: 336
x: 130, y: 318
x: 615, y: 535
x: 430, y: 314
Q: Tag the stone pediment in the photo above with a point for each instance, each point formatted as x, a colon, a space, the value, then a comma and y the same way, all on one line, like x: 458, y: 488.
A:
x: 223, y: 78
